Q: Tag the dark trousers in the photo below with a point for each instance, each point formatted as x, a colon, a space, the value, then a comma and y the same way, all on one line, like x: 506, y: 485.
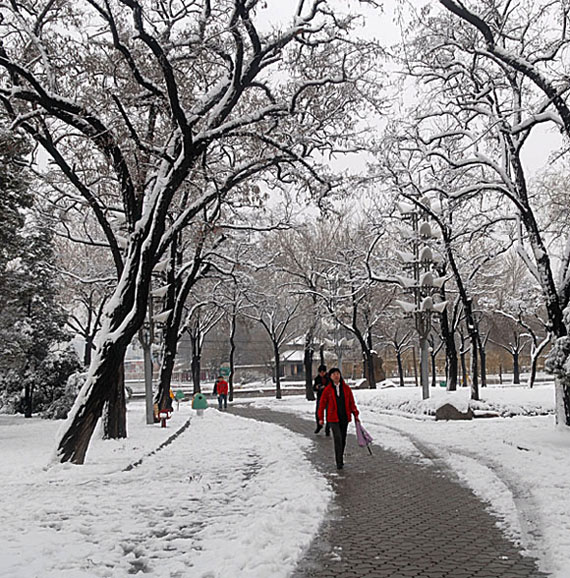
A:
x: 327, y: 426
x: 339, y: 430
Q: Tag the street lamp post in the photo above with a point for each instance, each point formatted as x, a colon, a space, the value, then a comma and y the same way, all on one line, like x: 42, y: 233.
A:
x: 423, y: 326
x: 423, y: 284
x: 145, y: 338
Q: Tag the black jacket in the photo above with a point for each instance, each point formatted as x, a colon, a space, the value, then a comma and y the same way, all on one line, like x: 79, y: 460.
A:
x: 320, y: 383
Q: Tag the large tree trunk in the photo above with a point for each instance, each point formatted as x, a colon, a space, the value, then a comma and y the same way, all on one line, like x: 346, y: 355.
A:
x: 562, y: 400
x: 88, y: 407
x: 87, y: 351
x: 400, y: 367
x: 148, y: 393
x: 463, y: 368
x: 433, y: 370
x: 534, y: 356
x: 169, y: 348
x: 308, y: 365
x: 28, y: 400
x: 278, y: 394
x: 196, y: 368
x: 115, y: 421
x: 483, y: 357
x: 28, y: 394
x: 474, y: 368
x: 452, y: 370
x: 516, y: 368
x: 232, y: 357
x: 424, y: 367
x: 367, y: 356
x: 120, y: 325
x: 370, y: 369
x: 450, y: 353
x: 532, y: 376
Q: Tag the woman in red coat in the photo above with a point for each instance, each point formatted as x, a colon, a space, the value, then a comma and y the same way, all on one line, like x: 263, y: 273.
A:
x: 338, y: 401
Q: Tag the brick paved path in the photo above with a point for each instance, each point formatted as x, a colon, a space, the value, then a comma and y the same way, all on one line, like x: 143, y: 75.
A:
x: 393, y: 518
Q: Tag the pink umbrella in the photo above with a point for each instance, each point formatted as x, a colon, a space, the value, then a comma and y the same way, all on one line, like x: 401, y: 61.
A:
x: 363, y: 437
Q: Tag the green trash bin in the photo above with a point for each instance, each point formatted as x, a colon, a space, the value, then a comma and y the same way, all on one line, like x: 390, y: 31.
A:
x: 443, y: 384
x: 199, y: 403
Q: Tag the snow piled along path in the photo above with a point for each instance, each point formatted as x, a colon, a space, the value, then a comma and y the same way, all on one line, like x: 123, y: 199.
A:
x: 228, y: 497
x: 518, y: 465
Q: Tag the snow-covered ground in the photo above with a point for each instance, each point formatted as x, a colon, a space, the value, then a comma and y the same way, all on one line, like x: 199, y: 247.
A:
x: 221, y: 499
x: 218, y: 501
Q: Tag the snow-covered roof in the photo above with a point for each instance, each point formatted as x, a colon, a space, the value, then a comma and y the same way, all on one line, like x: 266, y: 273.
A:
x: 293, y: 355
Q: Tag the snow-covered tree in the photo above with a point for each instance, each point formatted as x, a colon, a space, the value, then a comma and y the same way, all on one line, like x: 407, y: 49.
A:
x: 401, y: 341
x: 202, y: 316
x: 32, y: 320
x: 525, y: 46
x: 490, y: 79
x: 14, y: 198
x: 88, y: 280
x: 231, y: 297
x: 303, y: 257
x: 353, y: 300
x: 131, y: 102
x: 276, y: 309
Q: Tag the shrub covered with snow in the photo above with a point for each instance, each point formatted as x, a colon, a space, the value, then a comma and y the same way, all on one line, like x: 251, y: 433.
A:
x: 48, y: 383
x: 61, y: 406
x: 558, y: 361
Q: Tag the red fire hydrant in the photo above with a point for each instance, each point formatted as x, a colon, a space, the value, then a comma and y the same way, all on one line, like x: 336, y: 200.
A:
x: 163, y: 415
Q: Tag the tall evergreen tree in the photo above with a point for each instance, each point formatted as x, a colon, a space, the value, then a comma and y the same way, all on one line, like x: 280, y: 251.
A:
x: 14, y: 198
x: 31, y: 320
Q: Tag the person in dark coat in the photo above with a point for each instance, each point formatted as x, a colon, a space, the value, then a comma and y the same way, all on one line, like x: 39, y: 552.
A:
x: 338, y: 401
x: 321, y: 381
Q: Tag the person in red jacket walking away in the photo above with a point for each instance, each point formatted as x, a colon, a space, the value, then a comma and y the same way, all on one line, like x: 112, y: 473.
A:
x: 338, y: 401
x: 222, y: 391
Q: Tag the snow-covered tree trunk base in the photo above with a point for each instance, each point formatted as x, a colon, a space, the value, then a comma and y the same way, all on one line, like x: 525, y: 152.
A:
x: 370, y: 373
x: 115, y: 420
x: 474, y: 370
x: 28, y: 400
x: 81, y: 422
x: 532, y: 374
x: 308, y: 364
x: 88, y: 407
x: 562, y: 399
x: 483, y: 358
x: 464, y: 380
x: 516, y: 370
x: 232, y: 358
x: 400, y: 369
x: 195, y: 368
x: 165, y: 379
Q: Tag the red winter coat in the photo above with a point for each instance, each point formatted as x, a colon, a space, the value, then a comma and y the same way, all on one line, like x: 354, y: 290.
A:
x: 328, y: 402
x: 222, y: 387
